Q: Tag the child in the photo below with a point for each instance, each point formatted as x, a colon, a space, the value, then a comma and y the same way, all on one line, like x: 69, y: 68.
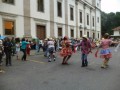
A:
x: 28, y: 48
x: 17, y: 47
x: 17, y: 50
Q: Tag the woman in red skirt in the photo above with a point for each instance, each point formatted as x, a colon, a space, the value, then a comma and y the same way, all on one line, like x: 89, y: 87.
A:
x: 28, y: 48
x: 66, y: 51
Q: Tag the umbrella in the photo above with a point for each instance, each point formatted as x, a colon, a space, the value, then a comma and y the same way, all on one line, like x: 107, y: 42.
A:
x: 2, y: 37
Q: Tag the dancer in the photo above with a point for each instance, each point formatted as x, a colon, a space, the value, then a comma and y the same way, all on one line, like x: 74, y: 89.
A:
x: 85, y: 49
x: 23, y: 48
x: 66, y: 51
x: 105, y: 51
x: 51, y: 49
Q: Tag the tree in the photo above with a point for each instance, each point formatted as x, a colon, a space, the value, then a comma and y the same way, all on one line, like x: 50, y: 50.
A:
x: 109, y: 21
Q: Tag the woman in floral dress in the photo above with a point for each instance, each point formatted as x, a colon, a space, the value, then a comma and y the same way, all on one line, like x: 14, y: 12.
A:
x: 66, y: 51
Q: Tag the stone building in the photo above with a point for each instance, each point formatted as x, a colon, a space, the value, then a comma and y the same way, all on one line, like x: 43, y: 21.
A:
x: 50, y: 18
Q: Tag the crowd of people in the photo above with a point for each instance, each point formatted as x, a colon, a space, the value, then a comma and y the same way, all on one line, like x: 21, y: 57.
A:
x: 66, y: 47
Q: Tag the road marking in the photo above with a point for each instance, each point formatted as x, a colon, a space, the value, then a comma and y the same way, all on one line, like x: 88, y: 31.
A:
x: 37, y: 61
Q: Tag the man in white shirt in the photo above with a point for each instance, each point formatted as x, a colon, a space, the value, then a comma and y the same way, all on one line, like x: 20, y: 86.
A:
x: 51, y: 49
x: 40, y: 45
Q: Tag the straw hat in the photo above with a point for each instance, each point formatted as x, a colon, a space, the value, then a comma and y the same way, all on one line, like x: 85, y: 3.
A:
x: 46, y: 39
x: 85, y: 36
x: 50, y: 39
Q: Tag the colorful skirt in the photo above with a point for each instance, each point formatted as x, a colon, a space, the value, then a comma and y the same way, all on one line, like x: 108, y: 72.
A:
x: 66, y: 52
x: 105, y: 53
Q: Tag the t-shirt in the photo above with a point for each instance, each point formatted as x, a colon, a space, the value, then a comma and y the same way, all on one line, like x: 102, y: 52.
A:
x: 50, y: 44
x: 24, y: 44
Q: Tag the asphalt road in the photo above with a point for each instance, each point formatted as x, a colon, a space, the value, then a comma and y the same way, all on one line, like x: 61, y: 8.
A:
x: 38, y: 74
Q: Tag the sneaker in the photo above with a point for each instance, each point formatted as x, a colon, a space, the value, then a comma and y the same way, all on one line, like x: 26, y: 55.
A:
x: 103, y: 66
x: 54, y: 59
x: 49, y: 60
x: 107, y: 65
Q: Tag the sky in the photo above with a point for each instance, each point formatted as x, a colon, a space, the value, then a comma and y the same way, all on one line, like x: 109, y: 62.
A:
x: 110, y: 5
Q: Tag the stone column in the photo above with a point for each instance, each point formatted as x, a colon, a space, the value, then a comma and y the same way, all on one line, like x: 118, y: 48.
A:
x: 77, y: 27
x: 27, y: 19
x: 52, y: 32
x: 84, y: 19
x: 66, y: 17
x: 95, y: 23
x: 91, y: 22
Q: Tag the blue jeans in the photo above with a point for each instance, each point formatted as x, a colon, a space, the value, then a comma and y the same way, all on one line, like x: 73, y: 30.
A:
x: 84, y: 59
x: 24, y: 54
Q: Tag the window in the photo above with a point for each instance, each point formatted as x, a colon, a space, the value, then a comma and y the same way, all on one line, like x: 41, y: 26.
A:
x: 72, y: 33
x: 93, y: 22
x: 80, y: 17
x: 41, y: 5
x: 9, y: 27
x: 97, y: 4
x: 87, y: 34
x: 93, y: 35
x: 81, y: 34
x: 87, y: 19
x: 59, y: 32
x: 98, y: 35
x: 71, y: 14
x: 8, y: 1
x: 98, y: 19
x: 59, y: 9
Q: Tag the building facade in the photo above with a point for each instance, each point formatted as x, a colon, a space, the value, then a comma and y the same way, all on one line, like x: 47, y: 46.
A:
x: 116, y: 32
x: 50, y: 18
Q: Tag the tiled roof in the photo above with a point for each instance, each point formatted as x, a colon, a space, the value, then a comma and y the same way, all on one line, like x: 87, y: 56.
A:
x: 117, y: 28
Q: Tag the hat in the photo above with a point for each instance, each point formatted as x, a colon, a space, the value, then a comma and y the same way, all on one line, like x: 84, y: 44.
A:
x: 46, y: 39
x: 50, y: 39
x: 65, y: 38
x: 85, y: 36
x: 107, y: 34
x: 0, y: 41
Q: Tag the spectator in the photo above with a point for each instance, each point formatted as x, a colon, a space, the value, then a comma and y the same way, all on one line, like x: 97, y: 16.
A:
x: 8, y: 50
x: 23, y: 48
x: 17, y: 48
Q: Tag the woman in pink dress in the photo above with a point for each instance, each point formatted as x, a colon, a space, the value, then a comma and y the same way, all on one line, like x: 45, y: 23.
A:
x: 105, y: 52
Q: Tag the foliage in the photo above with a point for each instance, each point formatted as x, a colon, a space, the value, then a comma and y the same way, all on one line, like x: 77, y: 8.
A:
x: 109, y: 21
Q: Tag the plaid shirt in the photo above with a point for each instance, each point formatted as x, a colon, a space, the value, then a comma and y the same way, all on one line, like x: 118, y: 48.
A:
x: 85, y: 46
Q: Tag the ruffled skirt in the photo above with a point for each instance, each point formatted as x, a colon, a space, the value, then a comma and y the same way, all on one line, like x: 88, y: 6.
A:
x: 105, y: 53
x: 65, y: 52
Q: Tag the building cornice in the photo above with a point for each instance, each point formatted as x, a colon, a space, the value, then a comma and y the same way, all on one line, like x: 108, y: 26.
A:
x: 8, y: 14
x: 85, y: 3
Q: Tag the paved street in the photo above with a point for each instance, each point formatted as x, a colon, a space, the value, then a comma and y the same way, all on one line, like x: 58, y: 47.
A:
x: 38, y: 74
